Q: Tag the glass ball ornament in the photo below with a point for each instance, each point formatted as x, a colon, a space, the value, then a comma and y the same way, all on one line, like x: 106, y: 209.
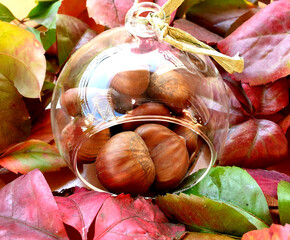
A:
x: 137, y: 112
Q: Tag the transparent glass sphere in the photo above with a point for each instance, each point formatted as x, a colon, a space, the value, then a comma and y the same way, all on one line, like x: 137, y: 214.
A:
x: 139, y: 113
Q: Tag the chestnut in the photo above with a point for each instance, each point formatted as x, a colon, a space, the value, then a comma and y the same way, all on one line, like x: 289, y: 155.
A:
x: 124, y: 164
x: 149, y: 108
x: 92, y: 145
x: 131, y: 82
x: 168, y: 152
x: 171, y: 88
x: 72, y: 135
x: 69, y: 100
x: 189, y: 136
x: 119, y: 101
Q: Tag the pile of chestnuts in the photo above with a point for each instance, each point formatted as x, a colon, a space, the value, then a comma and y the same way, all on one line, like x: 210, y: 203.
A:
x: 137, y: 157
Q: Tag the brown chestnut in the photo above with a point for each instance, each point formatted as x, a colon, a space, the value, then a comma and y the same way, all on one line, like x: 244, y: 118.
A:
x: 69, y: 100
x: 168, y: 152
x: 132, y: 82
x: 171, y: 88
x: 189, y: 136
x: 72, y: 135
x: 149, y: 108
x: 92, y: 145
x: 124, y: 164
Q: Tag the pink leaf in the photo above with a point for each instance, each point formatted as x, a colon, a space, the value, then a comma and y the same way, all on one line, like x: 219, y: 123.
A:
x: 264, y: 42
x: 197, y: 31
x: 80, y: 209
x: 109, y: 13
x: 256, y: 143
x: 28, y: 210
x: 124, y: 218
x: 268, y: 180
x: 270, y: 98
x: 275, y: 232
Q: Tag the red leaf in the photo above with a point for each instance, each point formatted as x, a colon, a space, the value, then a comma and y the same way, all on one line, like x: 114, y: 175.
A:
x: 270, y: 98
x: 220, y: 16
x: 197, y: 31
x: 124, y: 218
x: 80, y: 209
x: 78, y: 9
x: 108, y: 12
x: 275, y: 232
x: 28, y: 210
x: 268, y: 180
x: 256, y: 143
x: 264, y: 42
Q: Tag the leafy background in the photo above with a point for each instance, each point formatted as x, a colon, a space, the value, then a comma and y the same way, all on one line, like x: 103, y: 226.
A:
x: 250, y: 200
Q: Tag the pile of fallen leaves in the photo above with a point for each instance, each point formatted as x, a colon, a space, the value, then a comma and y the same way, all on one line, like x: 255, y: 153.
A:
x: 243, y: 197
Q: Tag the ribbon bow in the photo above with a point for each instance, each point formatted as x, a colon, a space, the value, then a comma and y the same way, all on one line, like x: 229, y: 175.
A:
x: 185, y: 42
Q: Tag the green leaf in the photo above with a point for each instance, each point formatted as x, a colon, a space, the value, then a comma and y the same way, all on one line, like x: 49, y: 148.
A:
x: 69, y: 30
x: 284, y: 201
x: 22, y: 59
x: 35, y: 32
x: 15, y: 120
x: 232, y: 185
x: 32, y: 154
x: 5, y: 14
x: 202, y: 213
x: 48, y: 38
x: 45, y: 13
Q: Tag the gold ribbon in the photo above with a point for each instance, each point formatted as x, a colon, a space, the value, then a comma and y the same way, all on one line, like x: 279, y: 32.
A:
x: 185, y: 42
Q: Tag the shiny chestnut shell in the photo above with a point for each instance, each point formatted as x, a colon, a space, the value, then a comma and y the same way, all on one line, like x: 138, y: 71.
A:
x: 168, y: 152
x: 149, y: 108
x: 124, y: 164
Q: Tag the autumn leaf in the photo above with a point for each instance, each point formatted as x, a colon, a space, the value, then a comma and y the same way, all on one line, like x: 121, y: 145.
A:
x: 270, y: 98
x: 78, y: 9
x: 80, y: 209
x: 15, y: 120
x: 5, y: 14
x: 44, y: 13
x: 201, y: 33
x: 29, y: 211
x: 125, y: 218
x: 205, y: 214
x: 28, y: 155
x: 231, y: 185
x: 256, y: 143
x: 69, y: 30
x: 275, y: 232
x: 218, y: 16
x: 22, y: 60
x: 268, y: 180
x: 109, y: 13
x: 284, y: 201
x: 263, y: 40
